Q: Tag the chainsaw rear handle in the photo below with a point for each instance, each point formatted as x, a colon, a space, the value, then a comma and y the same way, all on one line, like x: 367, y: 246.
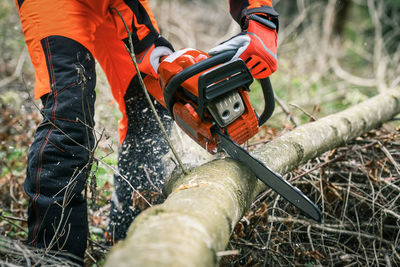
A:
x: 176, y: 81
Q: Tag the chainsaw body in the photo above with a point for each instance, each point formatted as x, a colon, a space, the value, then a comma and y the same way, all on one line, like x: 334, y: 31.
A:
x: 207, y: 94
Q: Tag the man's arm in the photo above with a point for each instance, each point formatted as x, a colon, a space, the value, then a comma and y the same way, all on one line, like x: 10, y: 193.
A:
x: 148, y: 45
x: 240, y: 9
x: 256, y: 44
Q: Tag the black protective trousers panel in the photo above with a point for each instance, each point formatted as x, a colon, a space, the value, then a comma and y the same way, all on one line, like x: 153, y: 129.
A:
x: 58, y: 159
x: 140, y: 158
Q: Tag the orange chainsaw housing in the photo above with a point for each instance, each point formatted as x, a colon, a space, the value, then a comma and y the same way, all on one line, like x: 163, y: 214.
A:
x: 185, y: 108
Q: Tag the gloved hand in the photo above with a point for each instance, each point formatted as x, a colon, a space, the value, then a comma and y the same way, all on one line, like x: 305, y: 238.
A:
x: 148, y: 62
x: 150, y: 59
x: 256, y: 46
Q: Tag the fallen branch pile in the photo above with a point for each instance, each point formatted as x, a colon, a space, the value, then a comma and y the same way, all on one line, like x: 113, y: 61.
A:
x: 358, y: 187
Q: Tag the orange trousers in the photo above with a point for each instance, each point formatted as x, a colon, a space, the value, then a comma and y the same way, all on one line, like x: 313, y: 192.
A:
x: 63, y: 39
x: 96, y: 25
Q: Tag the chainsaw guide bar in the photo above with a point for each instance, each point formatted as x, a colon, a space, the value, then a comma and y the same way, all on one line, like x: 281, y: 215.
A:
x: 270, y: 178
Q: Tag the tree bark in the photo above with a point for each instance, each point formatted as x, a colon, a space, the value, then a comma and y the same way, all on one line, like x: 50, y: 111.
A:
x: 202, y: 208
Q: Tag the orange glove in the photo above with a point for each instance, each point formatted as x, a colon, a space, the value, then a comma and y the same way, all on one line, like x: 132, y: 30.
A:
x: 256, y: 46
x: 148, y: 62
x: 150, y: 59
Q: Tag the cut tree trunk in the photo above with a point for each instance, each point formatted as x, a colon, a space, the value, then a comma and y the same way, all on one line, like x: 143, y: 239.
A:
x: 196, y: 220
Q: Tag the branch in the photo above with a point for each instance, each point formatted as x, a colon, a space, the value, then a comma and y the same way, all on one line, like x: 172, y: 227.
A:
x: 195, y: 222
x: 18, y: 70
x: 341, y: 73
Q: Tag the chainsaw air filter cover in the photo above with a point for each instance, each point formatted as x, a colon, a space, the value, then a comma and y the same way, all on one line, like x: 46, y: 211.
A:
x: 226, y: 108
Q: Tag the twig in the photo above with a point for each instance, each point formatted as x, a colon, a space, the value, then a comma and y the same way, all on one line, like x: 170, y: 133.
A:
x: 389, y: 156
x: 347, y: 197
x: 17, y: 254
x: 146, y: 93
x: 395, y: 82
x: 123, y: 178
x: 59, y: 231
x: 18, y: 70
x: 387, y: 261
x: 305, y: 112
x: 12, y: 218
x: 327, y: 228
x: 98, y: 244
x: 325, y: 39
x: 380, y: 59
x: 341, y: 73
x: 318, y: 166
x: 286, y: 110
x: 383, y: 209
x: 271, y: 222
x: 150, y: 181
x: 262, y: 141
x: 91, y: 257
x: 227, y: 253
x: 13, y: 223
x: 289, y: 29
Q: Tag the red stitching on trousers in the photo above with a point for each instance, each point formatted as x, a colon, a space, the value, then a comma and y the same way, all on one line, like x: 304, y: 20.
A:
x: 66, y: 87
x: 55, y: 145
x: 36, y: 197
x: 64, y: 119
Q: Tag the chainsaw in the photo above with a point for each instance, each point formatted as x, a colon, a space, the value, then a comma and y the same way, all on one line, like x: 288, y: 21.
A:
x: 208, y: 98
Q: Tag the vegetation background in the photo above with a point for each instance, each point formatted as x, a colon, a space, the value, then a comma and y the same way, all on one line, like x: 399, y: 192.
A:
x: 332, y: 55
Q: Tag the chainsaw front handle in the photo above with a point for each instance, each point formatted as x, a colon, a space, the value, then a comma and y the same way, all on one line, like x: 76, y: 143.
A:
x: 269, y: 100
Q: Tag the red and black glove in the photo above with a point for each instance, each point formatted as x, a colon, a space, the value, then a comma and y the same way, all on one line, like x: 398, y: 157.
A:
x: 255, y: 45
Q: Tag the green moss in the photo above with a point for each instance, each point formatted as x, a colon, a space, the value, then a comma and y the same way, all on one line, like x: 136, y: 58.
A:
x: 299, y: 150
x: 215, y: 259
x: 158, y: 211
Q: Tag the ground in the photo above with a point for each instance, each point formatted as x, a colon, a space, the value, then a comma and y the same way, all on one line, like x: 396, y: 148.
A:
x: 357, y: 187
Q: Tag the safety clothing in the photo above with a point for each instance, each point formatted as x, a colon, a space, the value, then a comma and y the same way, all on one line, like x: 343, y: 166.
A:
x: 64, y: 38
x: 240, y: 9
x: 256, y: 44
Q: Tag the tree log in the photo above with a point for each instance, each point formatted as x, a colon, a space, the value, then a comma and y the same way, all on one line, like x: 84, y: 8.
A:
x: 196, y: 220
